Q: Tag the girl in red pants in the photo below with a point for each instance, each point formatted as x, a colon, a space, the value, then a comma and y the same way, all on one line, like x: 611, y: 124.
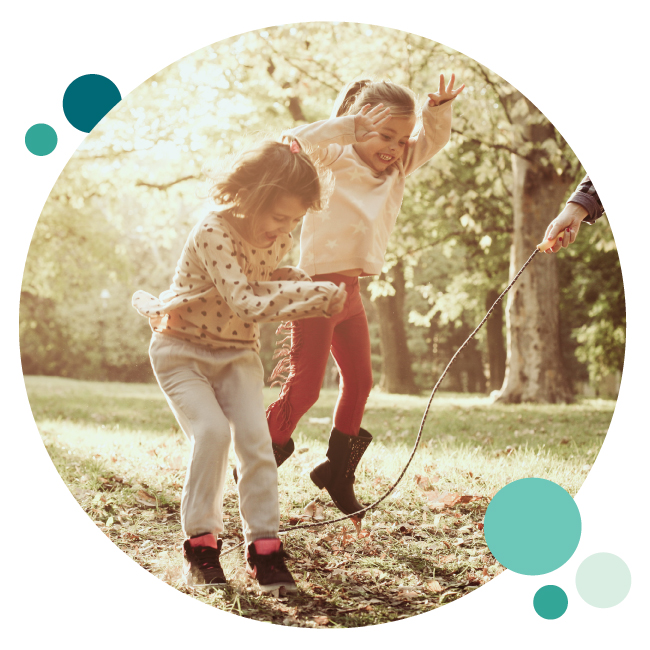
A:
x: 369, y: 148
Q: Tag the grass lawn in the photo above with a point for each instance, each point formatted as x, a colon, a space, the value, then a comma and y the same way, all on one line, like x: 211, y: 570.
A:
x: 120, y: 452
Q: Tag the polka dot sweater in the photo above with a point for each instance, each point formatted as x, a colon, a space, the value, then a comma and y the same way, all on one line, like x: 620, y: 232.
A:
x: 224, y: 286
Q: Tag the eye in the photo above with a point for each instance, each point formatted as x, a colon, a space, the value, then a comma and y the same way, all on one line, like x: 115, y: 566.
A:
x: 386, y: 137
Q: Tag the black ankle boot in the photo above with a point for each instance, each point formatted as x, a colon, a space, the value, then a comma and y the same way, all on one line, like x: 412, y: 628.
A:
x: 336, y: 473
x: 280, y: 453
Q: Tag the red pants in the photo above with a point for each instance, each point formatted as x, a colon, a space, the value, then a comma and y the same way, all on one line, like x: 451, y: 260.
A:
x: 346, y: 334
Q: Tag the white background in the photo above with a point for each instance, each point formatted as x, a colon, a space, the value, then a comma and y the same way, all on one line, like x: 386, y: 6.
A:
x: 584, y: 66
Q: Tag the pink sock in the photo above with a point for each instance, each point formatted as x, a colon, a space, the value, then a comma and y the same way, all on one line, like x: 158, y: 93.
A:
x: 205, y: 540
x: 267, y: 545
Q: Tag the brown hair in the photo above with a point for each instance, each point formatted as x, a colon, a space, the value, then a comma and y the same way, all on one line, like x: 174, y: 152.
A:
x: 400, y: 99
x: 261, y: 174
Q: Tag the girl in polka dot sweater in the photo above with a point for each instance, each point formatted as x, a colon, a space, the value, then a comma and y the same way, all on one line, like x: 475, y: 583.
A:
x: 205, y: 344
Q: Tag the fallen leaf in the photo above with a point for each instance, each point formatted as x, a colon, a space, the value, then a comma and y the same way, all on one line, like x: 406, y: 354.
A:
x: 146, y: 499
x: 314, y: 510
x: 434, y: 586
x: 422, y: 482
x: 321, y: 620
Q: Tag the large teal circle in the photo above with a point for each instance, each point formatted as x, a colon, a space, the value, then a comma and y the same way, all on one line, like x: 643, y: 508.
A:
x: 41, y: 139
x: 550, y: 602
x: 87, y: 99
x: 603, y: 580
x: 532, y: 526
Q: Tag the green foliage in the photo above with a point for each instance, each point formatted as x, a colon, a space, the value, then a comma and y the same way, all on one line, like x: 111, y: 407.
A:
x: 119, y: 214
x: 592, y: 300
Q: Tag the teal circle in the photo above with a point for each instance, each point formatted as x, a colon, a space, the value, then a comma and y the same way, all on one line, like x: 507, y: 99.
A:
x: 532, y: 526
x: 603, y: 580
x: 41, y: 139
x: 87, y: 99
x: 550, y: 602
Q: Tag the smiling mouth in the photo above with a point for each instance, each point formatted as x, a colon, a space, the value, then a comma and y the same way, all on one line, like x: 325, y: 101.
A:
x: 384, y: 157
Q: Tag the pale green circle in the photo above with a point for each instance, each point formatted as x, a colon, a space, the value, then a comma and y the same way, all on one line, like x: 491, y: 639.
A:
x: 603, y: 580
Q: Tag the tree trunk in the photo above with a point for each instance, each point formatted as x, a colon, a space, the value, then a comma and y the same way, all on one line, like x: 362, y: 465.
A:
x: 495, y: 343
x: 535, y: 371
x: 396, y: 372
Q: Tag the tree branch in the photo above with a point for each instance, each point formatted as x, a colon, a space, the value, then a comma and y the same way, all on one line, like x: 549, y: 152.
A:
x: 492, y: 145
x: 165, y: 186
x: 299, y: 68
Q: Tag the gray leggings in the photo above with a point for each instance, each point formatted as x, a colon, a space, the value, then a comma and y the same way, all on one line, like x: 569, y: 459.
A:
x: 216, y: 395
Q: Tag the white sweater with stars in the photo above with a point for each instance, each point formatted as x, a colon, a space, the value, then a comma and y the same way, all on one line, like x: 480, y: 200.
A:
x: 353, y: 231
x: 223, y: 287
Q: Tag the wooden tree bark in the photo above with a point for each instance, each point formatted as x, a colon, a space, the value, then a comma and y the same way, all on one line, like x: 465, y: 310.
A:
x: 535, y: 370
x: 495, y: 342
x: 396, y: 371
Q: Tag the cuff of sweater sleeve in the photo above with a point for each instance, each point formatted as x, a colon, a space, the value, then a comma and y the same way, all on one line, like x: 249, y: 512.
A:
x: 589, y: 204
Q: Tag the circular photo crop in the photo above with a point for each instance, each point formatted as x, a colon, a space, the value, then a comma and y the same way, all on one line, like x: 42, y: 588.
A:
x: 266, y: 256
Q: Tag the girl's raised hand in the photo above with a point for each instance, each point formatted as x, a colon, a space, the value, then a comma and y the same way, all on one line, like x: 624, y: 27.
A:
x: 368, y: 120
x: 445, y: 94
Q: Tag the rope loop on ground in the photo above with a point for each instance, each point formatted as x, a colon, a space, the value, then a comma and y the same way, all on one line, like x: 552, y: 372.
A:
x: 353, y: 515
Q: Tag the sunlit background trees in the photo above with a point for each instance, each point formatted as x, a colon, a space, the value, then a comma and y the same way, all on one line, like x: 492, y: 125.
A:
x: 119, y: 214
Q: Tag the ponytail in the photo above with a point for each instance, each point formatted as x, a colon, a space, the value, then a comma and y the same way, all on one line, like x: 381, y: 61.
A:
x: 356, y: 94
x: 348, y: 96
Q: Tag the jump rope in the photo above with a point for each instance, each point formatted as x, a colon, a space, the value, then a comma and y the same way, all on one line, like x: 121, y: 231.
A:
x: 355, y: 515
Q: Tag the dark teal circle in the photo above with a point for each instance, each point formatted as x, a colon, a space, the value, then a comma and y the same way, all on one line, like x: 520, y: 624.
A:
x: 550, y: 602
x: 41, y: 139
x: 87, y: 99
x: 532, y: 526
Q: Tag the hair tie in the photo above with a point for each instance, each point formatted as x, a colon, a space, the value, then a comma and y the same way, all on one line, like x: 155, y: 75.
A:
x: 294, y: 147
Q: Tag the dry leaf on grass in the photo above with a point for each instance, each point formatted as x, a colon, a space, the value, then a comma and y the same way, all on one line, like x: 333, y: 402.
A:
x: 314, y: 510
x: 422, y: 482
x: 321, y: 620
x: 434, y: 586
x: 146, y: 499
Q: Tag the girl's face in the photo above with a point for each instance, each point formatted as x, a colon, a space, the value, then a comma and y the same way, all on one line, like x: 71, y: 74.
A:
x: 388, y: 147
x: 282, y: 218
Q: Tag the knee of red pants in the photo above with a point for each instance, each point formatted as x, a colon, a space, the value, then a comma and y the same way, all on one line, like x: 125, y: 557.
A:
x: 285, y: 413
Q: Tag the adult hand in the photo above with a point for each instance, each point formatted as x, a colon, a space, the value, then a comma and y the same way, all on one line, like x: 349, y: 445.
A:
x: 368, y: 120
x: 566, y: 226
x: 445, y: 94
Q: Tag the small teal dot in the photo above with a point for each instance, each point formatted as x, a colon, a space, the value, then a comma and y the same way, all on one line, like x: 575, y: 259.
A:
x: 550, y: 602
x: 532, y: 526
x: 41, y: 139
x: 87, y: 99
x: 603, y: 580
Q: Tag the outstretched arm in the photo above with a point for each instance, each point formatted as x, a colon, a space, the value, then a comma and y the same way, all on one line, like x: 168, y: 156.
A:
x: 436, y: 126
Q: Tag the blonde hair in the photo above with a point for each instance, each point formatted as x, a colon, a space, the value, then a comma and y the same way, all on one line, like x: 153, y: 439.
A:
x: 400, y: 99
x: 263, y: 173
